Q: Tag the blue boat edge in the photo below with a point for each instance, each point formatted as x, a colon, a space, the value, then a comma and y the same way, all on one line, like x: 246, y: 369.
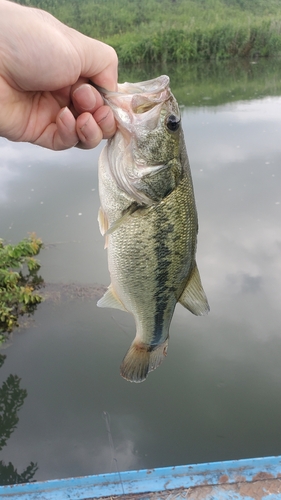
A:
x: 136, y: 482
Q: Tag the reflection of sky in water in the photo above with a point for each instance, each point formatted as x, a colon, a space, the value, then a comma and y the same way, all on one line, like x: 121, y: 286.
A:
x: 217, y: 395
x: 238, y: 171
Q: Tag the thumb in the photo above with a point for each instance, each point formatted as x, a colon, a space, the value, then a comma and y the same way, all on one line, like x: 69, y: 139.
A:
x: 99, y: 62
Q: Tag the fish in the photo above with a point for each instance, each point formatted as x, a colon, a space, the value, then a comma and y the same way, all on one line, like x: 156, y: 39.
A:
x: 149, y: 219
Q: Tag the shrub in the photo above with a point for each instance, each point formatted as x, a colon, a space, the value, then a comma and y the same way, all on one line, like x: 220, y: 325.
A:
x: 18, y: 282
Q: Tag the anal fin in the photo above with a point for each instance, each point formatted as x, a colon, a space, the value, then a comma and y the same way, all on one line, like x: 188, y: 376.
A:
x: 193, y: 297
x: 110, y: 299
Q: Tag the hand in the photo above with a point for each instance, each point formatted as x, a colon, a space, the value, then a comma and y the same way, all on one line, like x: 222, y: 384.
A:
x: 44, y: 69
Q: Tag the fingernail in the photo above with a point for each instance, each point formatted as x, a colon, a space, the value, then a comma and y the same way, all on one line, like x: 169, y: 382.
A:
x: 63, y: 114
x: 85, y: 95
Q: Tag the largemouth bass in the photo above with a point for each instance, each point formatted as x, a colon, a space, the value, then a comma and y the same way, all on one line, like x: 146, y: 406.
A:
x: 149, y: 219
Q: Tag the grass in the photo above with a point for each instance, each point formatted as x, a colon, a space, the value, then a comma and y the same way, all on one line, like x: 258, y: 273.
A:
x: 175, y: 30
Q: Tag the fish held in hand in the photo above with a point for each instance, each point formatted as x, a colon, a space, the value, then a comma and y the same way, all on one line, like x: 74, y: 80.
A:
x: 149, y: 220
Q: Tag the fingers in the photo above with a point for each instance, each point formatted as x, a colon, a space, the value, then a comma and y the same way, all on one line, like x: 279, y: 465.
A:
x: 88, y: 131
x: 91, y: 129
x: 86, y: 99
x: 60, y: 135
x: 106, y: 121
x: 88, y: 120
x: 65, y: 135
x: 85, y: 132
x: 85, y: 126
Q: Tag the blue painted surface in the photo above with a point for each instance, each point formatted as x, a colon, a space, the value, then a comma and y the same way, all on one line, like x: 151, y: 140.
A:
x: 154, y: 480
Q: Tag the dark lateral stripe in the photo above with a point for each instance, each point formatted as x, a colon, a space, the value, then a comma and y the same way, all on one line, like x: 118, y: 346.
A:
x: 162, y: 291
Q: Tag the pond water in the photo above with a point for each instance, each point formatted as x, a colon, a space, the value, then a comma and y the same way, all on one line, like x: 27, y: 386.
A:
x: 217, y: 394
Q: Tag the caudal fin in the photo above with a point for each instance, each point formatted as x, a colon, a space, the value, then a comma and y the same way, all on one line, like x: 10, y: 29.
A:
x: 142, y: 359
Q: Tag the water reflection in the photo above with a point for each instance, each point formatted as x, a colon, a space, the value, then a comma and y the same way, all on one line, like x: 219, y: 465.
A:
x: 11, y: 400
x: 217, y: 396
x: 213, y: 83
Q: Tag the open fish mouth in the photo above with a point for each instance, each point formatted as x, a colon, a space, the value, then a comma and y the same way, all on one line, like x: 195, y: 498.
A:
x: 136, y: 98
x: 154, y: 86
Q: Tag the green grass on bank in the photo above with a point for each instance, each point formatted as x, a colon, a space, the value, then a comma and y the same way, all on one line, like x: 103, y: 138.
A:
x: 175, y: 30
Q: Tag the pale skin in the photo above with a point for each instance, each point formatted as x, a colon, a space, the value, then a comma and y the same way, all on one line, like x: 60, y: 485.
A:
x: 45, y: 69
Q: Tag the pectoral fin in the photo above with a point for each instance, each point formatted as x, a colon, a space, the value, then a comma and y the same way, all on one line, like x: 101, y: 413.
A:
x: 103, y: 222
x: 193, y: 296
x: 103, y: 225
x: 125, y: 215
x: 110, y: 299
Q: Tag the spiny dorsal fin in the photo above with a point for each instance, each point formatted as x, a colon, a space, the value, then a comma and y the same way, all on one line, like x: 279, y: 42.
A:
x: 110, y: 299
x: 142, y: 359
x: 193, y: 297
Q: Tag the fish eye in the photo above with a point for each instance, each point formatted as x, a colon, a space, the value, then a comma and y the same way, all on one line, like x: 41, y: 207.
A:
x: 172, y: 123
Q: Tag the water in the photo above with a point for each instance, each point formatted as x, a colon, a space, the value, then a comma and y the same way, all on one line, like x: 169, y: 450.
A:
x: 217, y: 394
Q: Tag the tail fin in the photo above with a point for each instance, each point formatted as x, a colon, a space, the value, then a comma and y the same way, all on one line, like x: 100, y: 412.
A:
x: 142, y: 359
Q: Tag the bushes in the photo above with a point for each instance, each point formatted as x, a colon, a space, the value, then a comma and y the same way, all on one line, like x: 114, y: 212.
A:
x: 180, y: 30
x: 18, y: 282
x: 221, y: 41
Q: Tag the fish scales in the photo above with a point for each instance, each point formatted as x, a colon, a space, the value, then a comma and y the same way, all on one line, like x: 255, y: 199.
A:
x: 150, y: 235
x: 148, y: 259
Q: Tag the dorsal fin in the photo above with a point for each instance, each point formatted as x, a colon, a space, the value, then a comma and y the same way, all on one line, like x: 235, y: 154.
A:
x: 193, y: 297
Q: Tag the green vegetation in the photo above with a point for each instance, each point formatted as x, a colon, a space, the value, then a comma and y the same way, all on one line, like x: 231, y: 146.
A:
x: 175, y: 30
x: 18, y: 282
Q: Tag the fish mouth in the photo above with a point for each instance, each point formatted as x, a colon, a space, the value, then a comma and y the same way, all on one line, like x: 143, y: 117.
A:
x: 144, y: 96
x: 134, y: 99
x: 154, y: 86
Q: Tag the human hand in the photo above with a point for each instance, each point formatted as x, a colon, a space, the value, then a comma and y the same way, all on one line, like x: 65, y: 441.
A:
x: 44, y: 69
